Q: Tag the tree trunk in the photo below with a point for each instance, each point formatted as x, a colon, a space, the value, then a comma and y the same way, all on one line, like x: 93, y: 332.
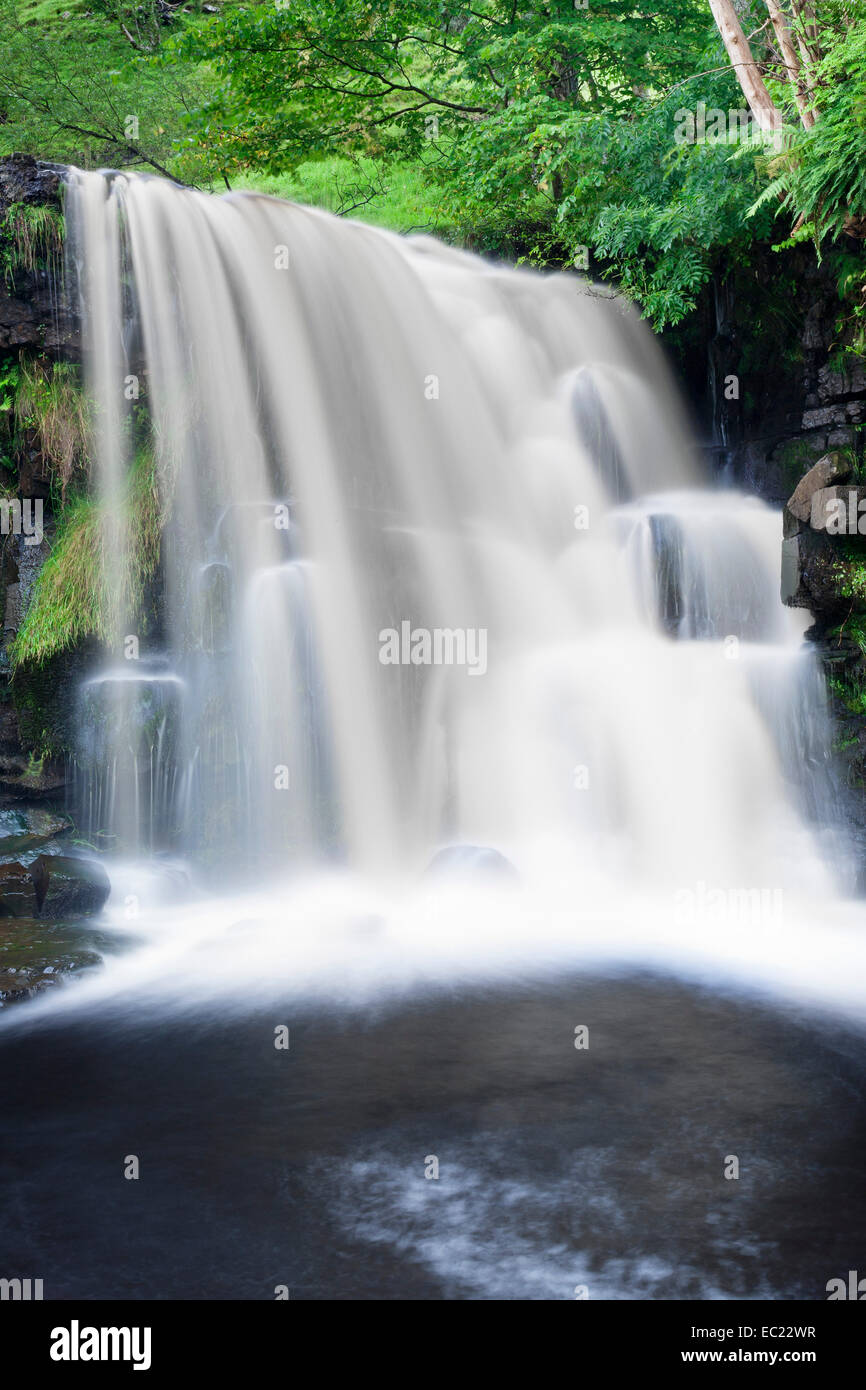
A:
x: 792, y: 62
x: 807, y: 31
x: 768, y: 117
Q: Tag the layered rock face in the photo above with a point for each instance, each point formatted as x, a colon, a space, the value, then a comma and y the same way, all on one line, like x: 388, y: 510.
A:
x: 824, y: 571
x: 44, y: 887
x: 35, y: 314
x: 770, y: 373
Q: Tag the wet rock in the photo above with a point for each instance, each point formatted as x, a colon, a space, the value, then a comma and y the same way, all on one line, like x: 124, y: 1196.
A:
x: 791, y: 587
x: 17, y: 896
x: 841, y: 439
x: 811, y: 577
x: 21, y: 778
x: 828, y: 470
x: 38, y: 956
x: 471, y: 859
x: 34, y: 311
x: 24, y: 179
x: 837, y: 654
x: 68, y: 886
x: 848, y: 381
x: 17, y: 986
x: 839, y: 510
x: 27, y: 828
x: 827, y: 415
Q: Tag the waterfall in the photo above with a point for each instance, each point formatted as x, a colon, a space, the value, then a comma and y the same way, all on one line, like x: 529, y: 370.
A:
x: 465, y: 791
x: 439, y: 568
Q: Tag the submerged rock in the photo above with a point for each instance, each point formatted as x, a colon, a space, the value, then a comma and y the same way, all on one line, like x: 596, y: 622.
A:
x: 37, y: 956
x: 68, y: 886
x: 463, y: 860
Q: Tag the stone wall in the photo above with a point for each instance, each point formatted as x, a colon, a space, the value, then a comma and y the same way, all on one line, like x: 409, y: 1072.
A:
x: 764, y: 366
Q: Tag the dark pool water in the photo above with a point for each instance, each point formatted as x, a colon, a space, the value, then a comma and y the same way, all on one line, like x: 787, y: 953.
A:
x: 558, y: 1167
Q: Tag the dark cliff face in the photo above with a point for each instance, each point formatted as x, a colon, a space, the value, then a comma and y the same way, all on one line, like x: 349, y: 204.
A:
x: 33, y: 182
x: 35, y: 314
x: 37, y: 325
x: 764, y: 366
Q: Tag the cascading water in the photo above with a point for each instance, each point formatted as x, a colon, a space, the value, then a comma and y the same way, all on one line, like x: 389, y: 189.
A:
x: 474, y: 723
x: 363, y: 444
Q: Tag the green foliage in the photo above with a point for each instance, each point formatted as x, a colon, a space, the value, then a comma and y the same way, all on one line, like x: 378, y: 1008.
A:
x: 50, y: 401
x: 822, y: 178
x: 853, y: 628
x: 544, y: 128
x: 394, y: 194
x: 656, y: 215
x: 849, y: 572
x: 540, y: 131
x: 371, y: 73
x: 67, y: 604
x: 74, y: 88
x: 546, y: 131
x: 10, y: 376
x: 35, y: 238
x: 75, y: 595
x: 849, y: 685
x: 852, y: 694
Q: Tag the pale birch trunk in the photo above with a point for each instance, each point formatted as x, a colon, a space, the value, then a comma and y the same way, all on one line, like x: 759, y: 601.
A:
x: 754, y: 89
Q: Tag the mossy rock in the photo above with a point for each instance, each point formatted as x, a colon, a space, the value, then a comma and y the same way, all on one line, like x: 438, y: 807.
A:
x: 68, y: 886
x: 45, y: 698
x: 39, y: 956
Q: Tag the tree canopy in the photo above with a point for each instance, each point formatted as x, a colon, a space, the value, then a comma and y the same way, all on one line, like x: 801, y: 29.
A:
x: 601, y: 133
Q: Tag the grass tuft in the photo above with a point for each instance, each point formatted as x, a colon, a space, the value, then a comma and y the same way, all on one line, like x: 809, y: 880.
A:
x: 73, y: 598
x: 50, y: 401
x: 36, y: 234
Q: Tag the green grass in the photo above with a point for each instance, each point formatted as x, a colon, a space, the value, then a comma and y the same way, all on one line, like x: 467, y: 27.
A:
x: 849, y: 574
x: 399, y: 197
x: 51, y: 11
x: 854, y: 628
x: 36, y: 238
x: 50, y: 401
x: 72, y: 599
x: 67, y: 605
x: 852, y: 696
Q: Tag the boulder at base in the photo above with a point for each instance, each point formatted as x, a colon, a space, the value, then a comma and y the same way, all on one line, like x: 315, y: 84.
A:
x: 69, y: 887
x: 469, y: 860
x: 39, y: 956
x: 17, y: 898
